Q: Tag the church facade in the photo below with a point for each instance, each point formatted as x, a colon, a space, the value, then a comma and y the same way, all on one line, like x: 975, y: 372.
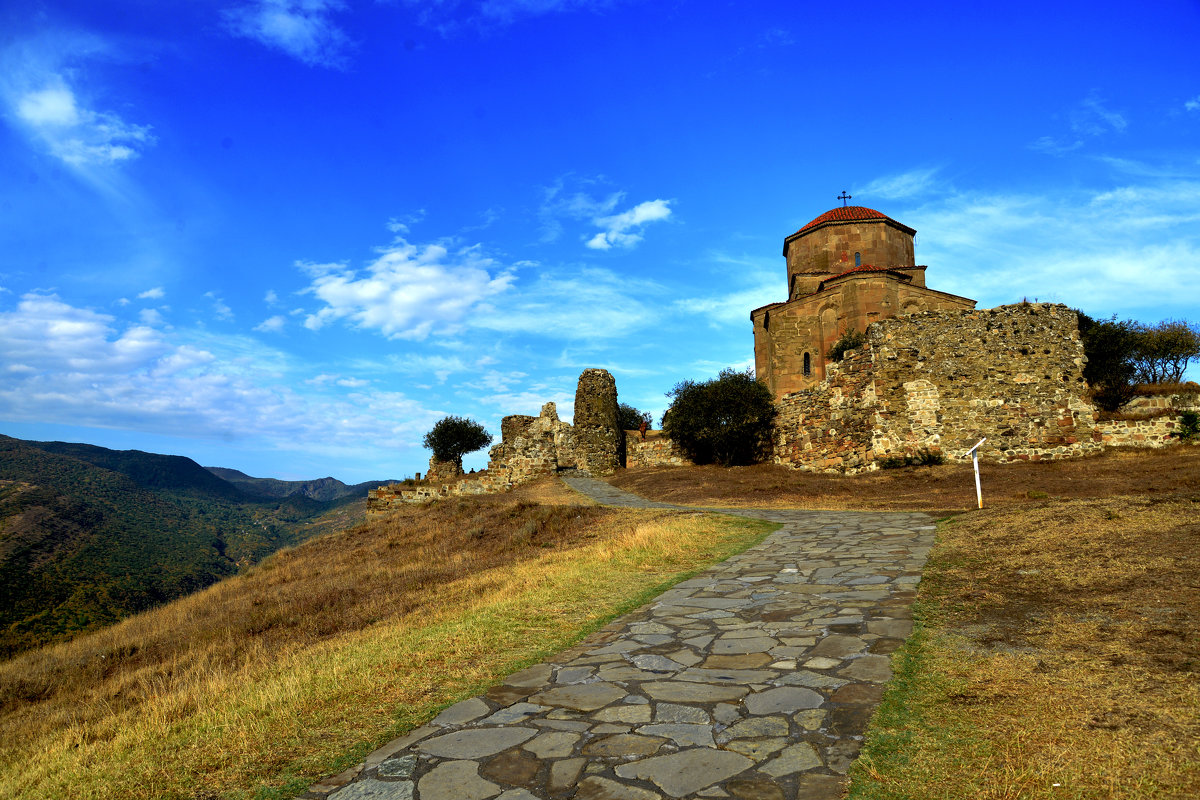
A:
x: 847, y: 268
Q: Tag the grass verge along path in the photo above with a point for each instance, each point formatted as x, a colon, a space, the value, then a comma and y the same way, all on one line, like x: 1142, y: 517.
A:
x: 268, y: 681
x: 1056, y: 656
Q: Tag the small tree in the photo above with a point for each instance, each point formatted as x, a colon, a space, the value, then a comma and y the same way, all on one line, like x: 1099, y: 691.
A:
x: 1161, y: 352
x: 451, y: 438
x: 630, y: 419
x: 1108, y: 345
x: 849, y: 340
x: 728, y: 420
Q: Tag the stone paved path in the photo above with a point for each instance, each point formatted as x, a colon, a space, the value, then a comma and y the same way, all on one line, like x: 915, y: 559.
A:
x: 754, y: 680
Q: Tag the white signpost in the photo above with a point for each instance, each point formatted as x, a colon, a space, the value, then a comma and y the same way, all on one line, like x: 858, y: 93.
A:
x: 974, y: 453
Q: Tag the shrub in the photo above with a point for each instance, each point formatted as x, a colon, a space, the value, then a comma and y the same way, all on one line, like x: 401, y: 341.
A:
x: 728, y: 420
x: 1189, y: 426
x: 630, y: 418
x: 453, y: 437
x: 922, y: 458
x: 850, y: 340
x: 1108, y: 345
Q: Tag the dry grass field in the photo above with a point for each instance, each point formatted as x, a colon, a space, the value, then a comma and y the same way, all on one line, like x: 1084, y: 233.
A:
x: 948, y: 487
x: 267, y: 681
x: 1057, y: 652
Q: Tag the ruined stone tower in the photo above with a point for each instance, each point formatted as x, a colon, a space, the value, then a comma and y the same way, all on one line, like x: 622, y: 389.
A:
x: 599, y: 444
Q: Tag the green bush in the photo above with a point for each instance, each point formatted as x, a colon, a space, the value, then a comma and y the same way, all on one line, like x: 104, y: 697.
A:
x: 630, y: 418
x: 1189, y: 426
x: 922, y: 458
x: 850, y: 340
x: 728, y: 420
x: 451, y: 438
x: 1109, y: 346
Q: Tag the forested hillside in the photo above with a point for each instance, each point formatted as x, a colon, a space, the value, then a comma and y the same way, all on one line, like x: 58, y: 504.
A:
x: 90, y: 535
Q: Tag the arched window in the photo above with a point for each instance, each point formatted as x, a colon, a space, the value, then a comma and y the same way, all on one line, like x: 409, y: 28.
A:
x: 807, y: 364
x: 858, y: 259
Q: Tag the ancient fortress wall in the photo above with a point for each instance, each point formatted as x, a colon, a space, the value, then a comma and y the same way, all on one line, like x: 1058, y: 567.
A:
x: 943, y: 380
x: 656, y: 451
x: 529, y: 448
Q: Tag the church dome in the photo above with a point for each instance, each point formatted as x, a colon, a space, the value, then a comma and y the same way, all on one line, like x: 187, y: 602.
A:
x: 849, y: 214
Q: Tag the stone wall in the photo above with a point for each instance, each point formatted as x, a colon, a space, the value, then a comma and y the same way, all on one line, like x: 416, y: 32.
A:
x: 656, y: 451
x: 531, y: 447
x: 943, y: 380
x: 1146, y: 432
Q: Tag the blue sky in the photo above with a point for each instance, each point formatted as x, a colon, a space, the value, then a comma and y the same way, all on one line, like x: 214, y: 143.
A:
x: 287, y: 236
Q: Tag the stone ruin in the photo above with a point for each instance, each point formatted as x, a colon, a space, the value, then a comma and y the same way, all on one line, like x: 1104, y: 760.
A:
x: 529, y: 448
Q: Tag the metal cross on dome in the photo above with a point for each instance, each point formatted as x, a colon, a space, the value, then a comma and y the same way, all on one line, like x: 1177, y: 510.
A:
x: 843, y: 197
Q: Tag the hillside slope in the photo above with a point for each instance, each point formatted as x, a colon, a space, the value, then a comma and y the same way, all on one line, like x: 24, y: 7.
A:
x: 320, y: 489
x: 90, y: 535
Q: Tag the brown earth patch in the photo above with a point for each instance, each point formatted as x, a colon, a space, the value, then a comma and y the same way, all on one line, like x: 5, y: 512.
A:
x: 948, y: 487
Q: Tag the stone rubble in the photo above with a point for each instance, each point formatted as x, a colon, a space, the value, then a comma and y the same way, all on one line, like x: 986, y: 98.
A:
x: 755, y: 679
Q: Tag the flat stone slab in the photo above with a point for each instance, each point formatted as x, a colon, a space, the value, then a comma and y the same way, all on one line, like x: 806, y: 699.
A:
x: 785, y: 700
x: 456, y: 780
x: 581, y: 697
x: 476, y: 743
x: 755, y: 680
x: 693, y: 692
x: 681, y: 774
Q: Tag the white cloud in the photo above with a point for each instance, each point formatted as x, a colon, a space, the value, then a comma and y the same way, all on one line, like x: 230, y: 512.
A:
x: 271, y: 298
x: 409, y: 291
x: 152, y: 294
x: 1089, y: 119
x: 1193, y: 104
x: 300, y: 28
x: 81, y: 137
x: 1128, y: 249
x: 151, y: 316
x: 752, y: 283
x: 273, y: 324
x: 583, y: 304
x: 913, y: 183
x: 619, y: 229
x: 73, y: 366
x: 220, y: 307
x: 624, y: 229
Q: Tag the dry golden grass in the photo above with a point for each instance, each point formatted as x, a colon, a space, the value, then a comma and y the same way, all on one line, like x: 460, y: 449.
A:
x: 949, y: 487
x: 284, y: 674
x: 1059, y: 659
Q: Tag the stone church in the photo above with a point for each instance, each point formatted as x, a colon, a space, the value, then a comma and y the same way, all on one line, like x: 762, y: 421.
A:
x: 846, y: 269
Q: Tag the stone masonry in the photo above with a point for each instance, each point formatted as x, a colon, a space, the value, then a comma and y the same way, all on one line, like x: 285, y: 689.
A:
x: 599, y: 442
x: 531, y: 447
x: 943, y: 380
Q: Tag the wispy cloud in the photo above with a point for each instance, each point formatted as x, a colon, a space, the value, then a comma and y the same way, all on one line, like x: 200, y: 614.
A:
x: 152, y: 294
x: 408, y: 292
x: 1088, y: 119
x: 586, y: 304
x: 1193, y: 104
x: 48, y: 107
x: 273, y: 324
x: 449, y: 16
x: 1118, y: 250
x: 303, y: 29
x: 220, y: 308
x: 70, y: 365
x: 625, y: 229
x: 913, y: 183
x: 618, y: 228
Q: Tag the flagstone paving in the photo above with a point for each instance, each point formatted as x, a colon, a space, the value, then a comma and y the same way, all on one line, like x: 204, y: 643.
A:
x: 754, y: 680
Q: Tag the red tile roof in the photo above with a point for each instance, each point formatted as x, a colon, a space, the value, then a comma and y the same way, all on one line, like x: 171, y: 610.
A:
x: 844, y: 214
x: 900, y: 271
x: 848, y: 214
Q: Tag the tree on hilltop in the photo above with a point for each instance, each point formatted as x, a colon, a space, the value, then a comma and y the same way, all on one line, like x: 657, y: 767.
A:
x: 1161, y: 352
x: 451, y: 438
x: 630, y: 418
x: 728, y: 420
